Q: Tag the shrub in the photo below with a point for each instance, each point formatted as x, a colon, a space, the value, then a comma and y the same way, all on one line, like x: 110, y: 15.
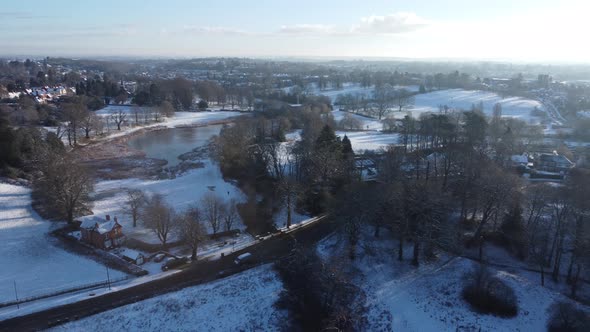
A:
x: 489, y: 295
x: 565, y: 317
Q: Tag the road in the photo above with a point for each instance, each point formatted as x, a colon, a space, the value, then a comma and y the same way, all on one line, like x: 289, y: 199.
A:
x: 263, y: 252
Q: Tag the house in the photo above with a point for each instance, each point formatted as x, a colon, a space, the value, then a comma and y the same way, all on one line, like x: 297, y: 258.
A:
x: 132, y: 256
x: 520, y: 161
x: 102, y: 233
x: 553, y: 162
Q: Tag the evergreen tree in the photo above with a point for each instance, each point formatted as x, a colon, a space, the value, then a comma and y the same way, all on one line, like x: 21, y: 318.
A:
x: 346, y: 145
x: 514, y: 231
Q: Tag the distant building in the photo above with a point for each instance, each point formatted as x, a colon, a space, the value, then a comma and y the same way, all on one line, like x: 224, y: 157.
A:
x: 553, y: 162
x: 102, y: 233
x: 46, y: 93
x: 520, y: 160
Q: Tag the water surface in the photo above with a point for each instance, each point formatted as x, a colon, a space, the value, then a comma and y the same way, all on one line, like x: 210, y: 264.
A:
x: 168, y: 144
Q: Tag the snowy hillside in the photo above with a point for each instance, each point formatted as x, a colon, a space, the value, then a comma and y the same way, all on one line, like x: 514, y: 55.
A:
x: 401, y: 297
x: 30, y: 257
x: 242, y: 302
x: 463, y: 99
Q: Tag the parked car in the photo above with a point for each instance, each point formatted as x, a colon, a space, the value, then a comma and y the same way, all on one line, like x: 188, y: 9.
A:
x: 174, y: 262
x: 243, y: 258
x: 159, y: 257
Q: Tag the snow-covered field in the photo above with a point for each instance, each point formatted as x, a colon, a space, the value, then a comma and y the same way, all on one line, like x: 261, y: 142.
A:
x: 355, y: 88
x: 401, y: 297
x: 455, y: 99
x: 29, y: 255
x: 369, y: 140
x: 243, y: 302
x: 368, y: 123
x: 181, y: 193
x: 460, y: 99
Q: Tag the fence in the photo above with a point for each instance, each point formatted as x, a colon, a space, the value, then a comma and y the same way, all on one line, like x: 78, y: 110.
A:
x: 95, y: 285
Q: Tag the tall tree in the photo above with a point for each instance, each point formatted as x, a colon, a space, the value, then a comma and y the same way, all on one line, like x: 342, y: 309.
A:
x: 136, y: 199
x: 63, y: 185
x: 211, y: 207
x: 159, y: 217
x: 191, y: 230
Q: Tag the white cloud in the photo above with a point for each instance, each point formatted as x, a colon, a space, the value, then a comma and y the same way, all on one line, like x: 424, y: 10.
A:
x: 396, y: 23
x: 214, y: 30
x: 306, y: 29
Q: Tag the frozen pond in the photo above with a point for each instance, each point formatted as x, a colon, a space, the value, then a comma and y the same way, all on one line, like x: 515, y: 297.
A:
x: 168, y: 144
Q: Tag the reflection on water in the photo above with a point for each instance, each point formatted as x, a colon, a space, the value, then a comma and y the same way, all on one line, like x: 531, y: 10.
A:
x: 168, y: 144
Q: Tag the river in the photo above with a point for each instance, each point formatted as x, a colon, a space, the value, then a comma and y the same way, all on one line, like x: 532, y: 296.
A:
x: 168, y: 144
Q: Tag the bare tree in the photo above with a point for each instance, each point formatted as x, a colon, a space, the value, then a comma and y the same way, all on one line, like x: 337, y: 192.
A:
x: 495, y: 188
x: 118, y: 118
x: 354, y: 207
x: 156, y: 114
x: 349, y: 122
x: 166, y: 108
x: 211, y: 206
x: 73, y: 114
x: 136, y: 111
x: 63, y: 185
x: 229, y: 214
x: 146, y: 113
x: 89, y: 122
x: 403, y: 99
x: 135, y: 201
x: 383, y: 97
x: 159, y: 217
x: 191, y: 230
x: 288, y: 189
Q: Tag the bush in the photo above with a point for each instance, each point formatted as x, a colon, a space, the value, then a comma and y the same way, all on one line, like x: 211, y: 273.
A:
x: 565, y: 317
x: 490, y: 295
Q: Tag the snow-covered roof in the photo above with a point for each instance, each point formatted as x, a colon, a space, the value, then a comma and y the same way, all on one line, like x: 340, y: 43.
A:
x: 91, y: 222
x: 106, y: 227
x: 130, y: 253
x: 519, y: 158
x: 101, y: 225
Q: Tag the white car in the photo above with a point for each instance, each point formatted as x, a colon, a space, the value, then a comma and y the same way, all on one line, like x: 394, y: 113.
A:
x: 242, y: 258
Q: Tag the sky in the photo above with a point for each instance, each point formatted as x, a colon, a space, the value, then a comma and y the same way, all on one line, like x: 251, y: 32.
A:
x: 517, y: 30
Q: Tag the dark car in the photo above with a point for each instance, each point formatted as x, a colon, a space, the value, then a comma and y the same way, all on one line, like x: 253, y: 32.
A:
x: 173, y: 263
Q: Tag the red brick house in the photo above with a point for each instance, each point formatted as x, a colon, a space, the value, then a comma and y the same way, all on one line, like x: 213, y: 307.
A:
x: 102, y: 233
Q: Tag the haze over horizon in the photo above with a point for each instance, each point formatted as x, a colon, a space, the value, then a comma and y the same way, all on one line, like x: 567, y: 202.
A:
x: 528, y: 30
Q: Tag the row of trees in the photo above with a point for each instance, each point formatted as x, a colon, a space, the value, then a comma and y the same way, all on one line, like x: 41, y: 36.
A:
x: 385, y: 99
x: 157, y: 215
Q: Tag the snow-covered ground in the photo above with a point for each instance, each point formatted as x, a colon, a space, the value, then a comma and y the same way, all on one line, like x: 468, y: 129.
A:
x: 355, y: 88
x: 30, y: 257
x: 51, y: 302
x: 460, y: 99
x: 455, y: 99
x: 367, y: 123
x: 369, y: 140
x: 178, y: 120
x: 243, y: 302
x: 181, y: 193
x: 401, y: 297
x: 280, y: 218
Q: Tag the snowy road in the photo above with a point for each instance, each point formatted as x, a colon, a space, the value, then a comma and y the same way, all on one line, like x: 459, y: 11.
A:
x: 266, y: 251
